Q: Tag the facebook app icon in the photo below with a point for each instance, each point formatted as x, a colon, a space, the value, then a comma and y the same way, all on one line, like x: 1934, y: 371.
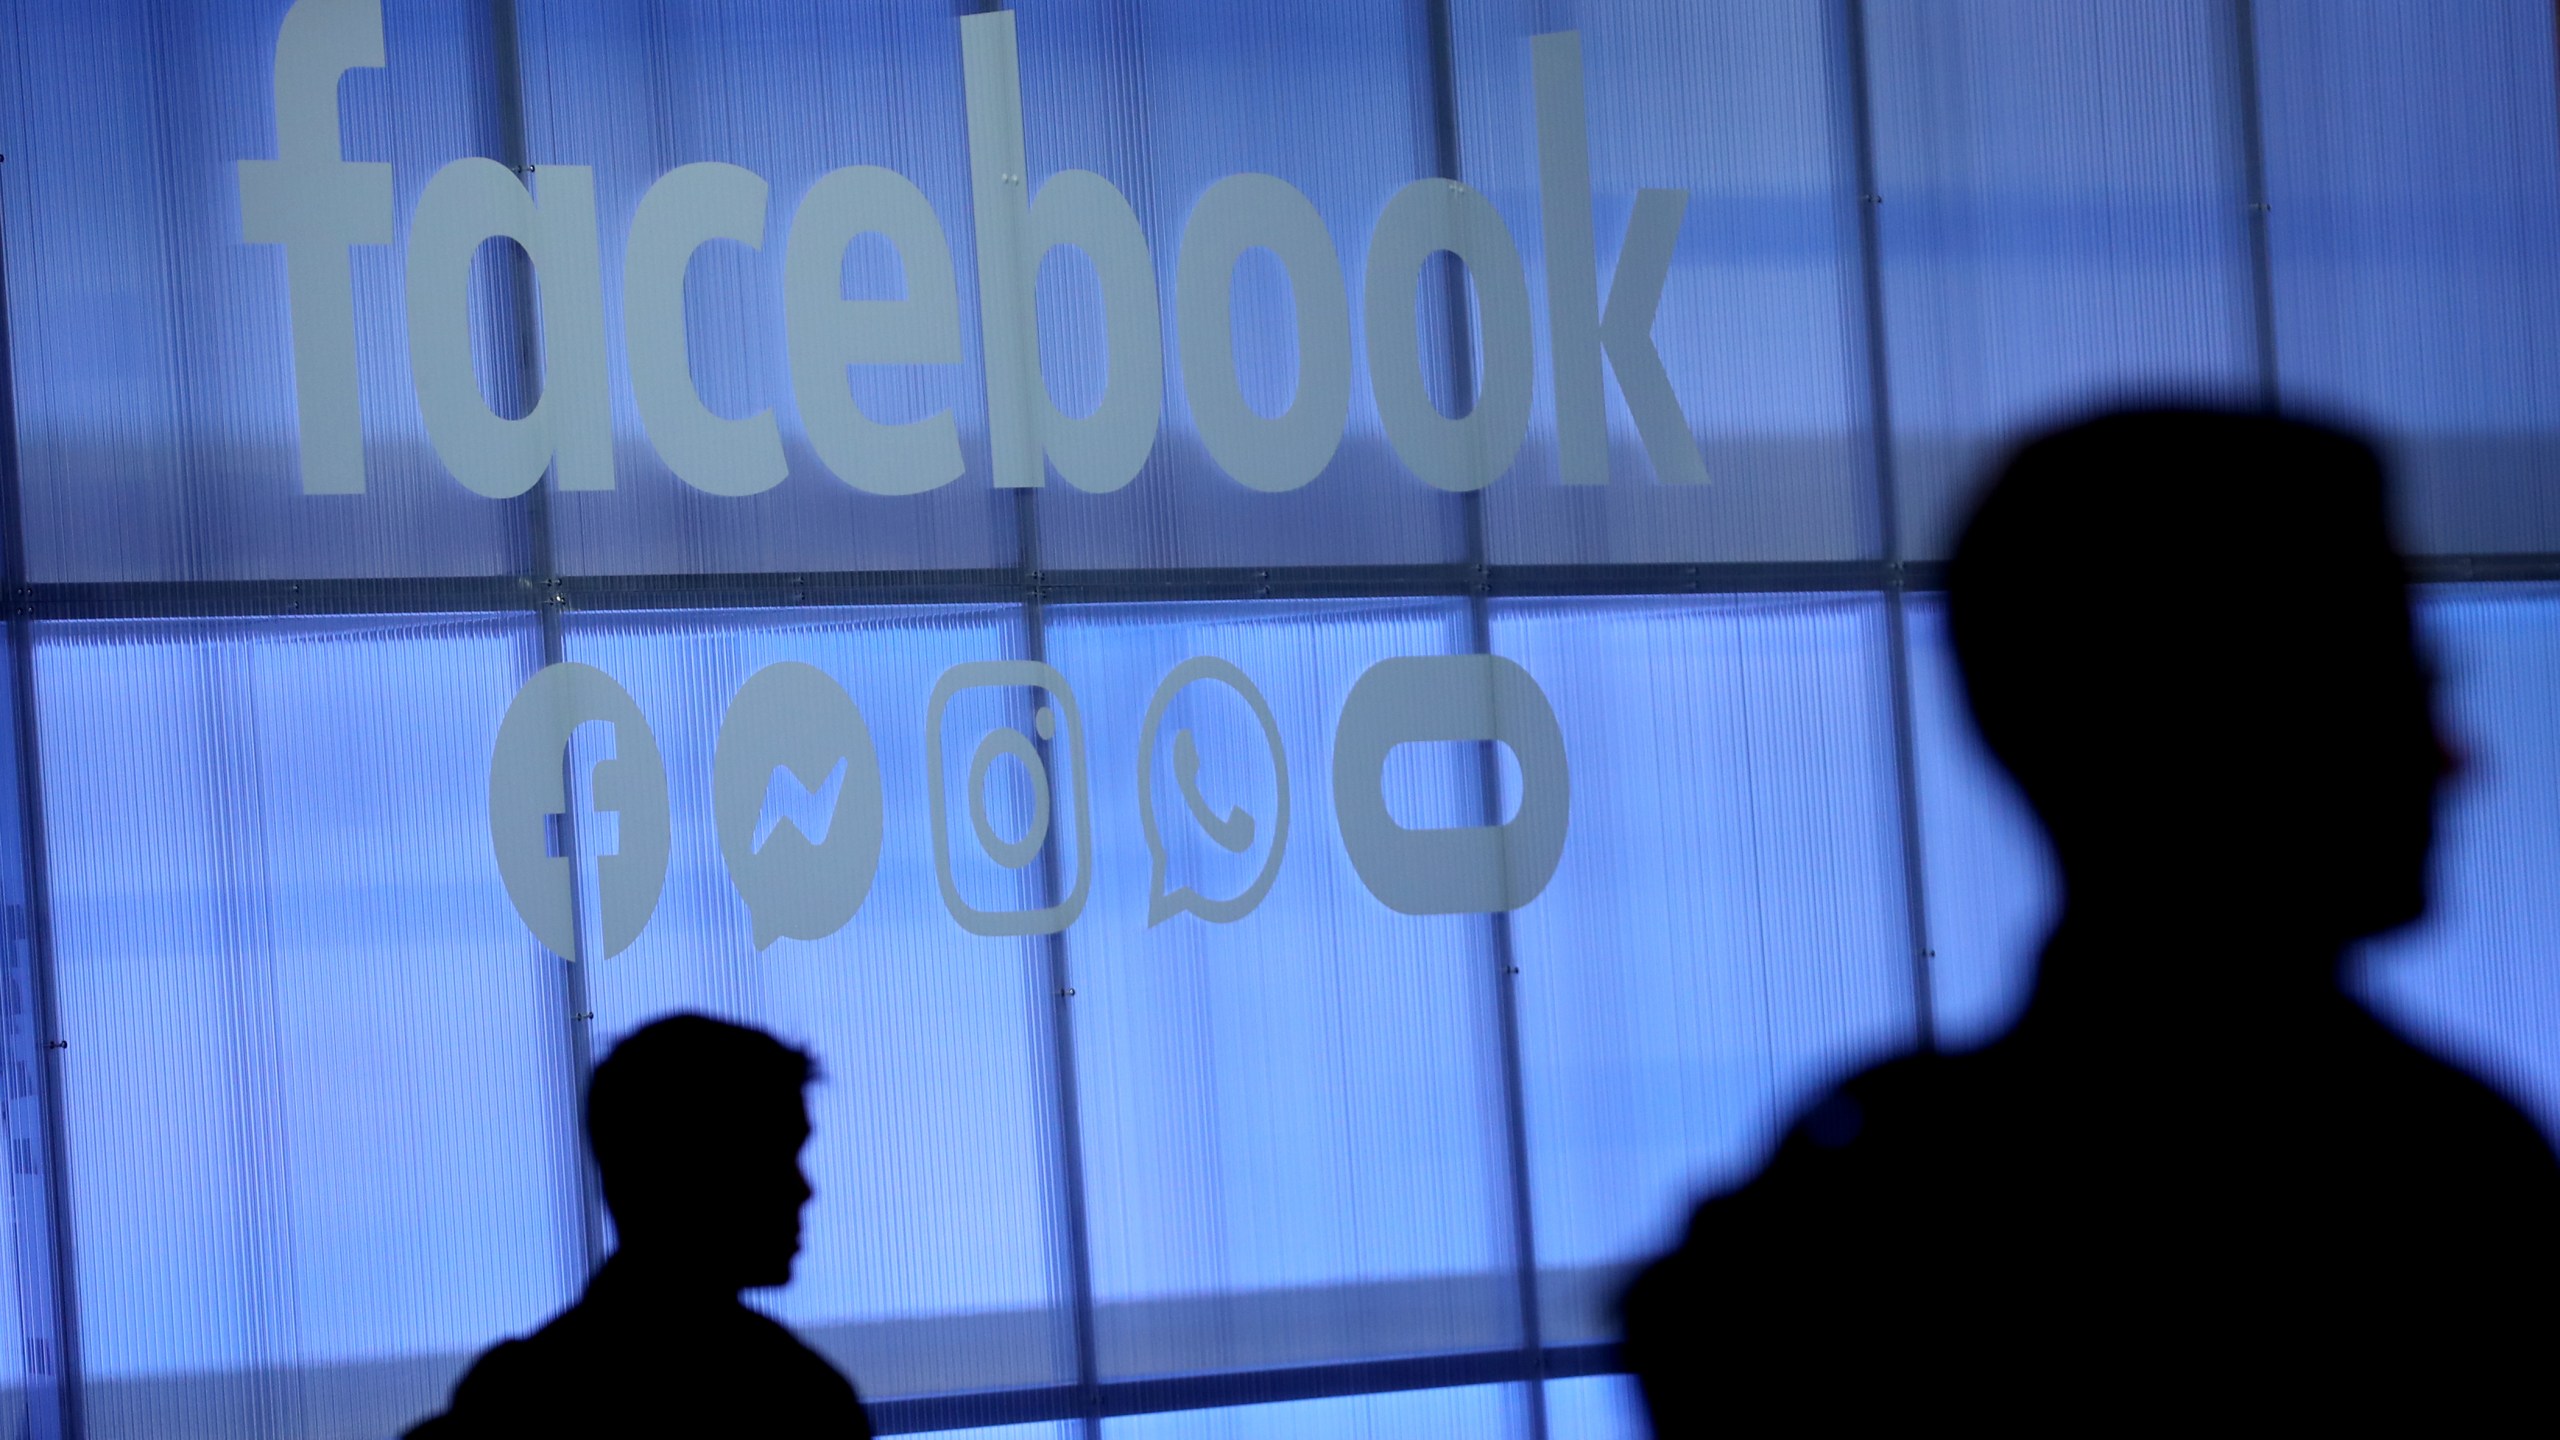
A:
x: 530, y: 819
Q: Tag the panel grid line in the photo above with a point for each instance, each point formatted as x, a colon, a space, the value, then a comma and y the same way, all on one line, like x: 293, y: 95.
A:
x: 1851, y: 57
x: 1066, y: 1098
x: 1089, y: 1397
x: 577, y: 1034
x: 2253, y: 159
x: 62, y: 1316
x: 1066, y: 1171
x: 1218, y: 1390
x: 1501, y: 969
x: 449, y: 595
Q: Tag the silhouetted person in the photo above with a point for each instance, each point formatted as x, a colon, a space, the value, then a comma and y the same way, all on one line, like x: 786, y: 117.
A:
x: 2196, y: 1183
x: 696, y: 1127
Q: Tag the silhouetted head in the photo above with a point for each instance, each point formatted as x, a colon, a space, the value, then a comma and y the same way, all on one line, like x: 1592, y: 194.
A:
x: 697, y: 1126
x: 2187, y: 634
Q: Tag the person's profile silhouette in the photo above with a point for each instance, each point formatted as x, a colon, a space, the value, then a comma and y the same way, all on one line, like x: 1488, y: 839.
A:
x: 696, y: 1126
x: 2196, y: 1183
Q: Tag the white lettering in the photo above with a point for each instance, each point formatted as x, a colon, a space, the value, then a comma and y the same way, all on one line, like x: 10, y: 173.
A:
x: 1578, y: 331
x: 1238, y: 214
x: 689, y: 207
x: 1472, y: 450
x: 1104, y: 450
x: 571, y: 426
x: 829, y: 332
x: 315, y: 205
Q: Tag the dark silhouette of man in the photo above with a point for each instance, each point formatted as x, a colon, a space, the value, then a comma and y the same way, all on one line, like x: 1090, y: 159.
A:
x: 2197, y: 1184
x: 696, y: 1126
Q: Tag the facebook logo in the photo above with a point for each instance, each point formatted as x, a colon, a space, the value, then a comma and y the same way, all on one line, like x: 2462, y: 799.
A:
x: 530, y: 819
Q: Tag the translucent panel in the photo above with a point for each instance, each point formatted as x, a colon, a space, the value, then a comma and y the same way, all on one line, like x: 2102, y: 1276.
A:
x: 14, y: 1397
x: 2414, y: 174
x: 2470, y: 979
x: 317, y: 1091
x: 1727, y: 929
x: 1332, y: 96
x: 1992, y: 889
x: 318, y: 1100
x: 1476, y: 1412
x: 790, y: 91
x: 151, y: 352
x: 927, y: 1263
x: 1596, y: 1407
x: 29, y: 1308
x: 1051, y: 1430
x: 2474, y: 980
x: 1758, y: 328
x: 1292, y: 1123
x: 2063, y: 218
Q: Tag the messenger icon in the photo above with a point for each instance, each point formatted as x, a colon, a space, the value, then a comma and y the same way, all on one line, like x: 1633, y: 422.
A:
x: 1462, y: 870
x: 1234, y: 831
x: 793, y: 725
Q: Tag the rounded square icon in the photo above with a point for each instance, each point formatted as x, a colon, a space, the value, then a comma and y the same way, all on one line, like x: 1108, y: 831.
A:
x: 1464, y: 870
x: 1060, y: 727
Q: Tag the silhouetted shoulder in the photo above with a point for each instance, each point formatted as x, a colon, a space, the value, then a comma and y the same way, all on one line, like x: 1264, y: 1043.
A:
x: 2337, y: 1216
x: 2423, y: 1089
x: 1782, y: 1292
x: 487, y: 1391
x: 1895, y: 1124
x: 711, y: 1371
x: 2443, y: 1144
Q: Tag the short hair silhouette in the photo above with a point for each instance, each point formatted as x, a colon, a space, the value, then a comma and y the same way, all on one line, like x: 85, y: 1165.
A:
x: 2160, y: 610
x: 679, y: 1117
x: 2195, y: 1180
x: 696, y: 1126
x: 676, y: 1079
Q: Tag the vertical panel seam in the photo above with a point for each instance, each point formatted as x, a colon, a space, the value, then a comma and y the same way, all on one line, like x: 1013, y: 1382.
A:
x: 1448, y: 158
x: 1064, y: 1091
x: 542, y: 571
x: 1851, y: 21
x: 1066, y: 1099
x: 2253, y: 158
x: 69, y: 1399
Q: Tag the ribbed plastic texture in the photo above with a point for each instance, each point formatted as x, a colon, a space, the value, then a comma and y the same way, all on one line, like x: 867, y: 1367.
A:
x: 1759, y: 327
x: 2062, y: 200
x: 1292, y: 1124
x: 30, y: 1310
x: 2475, y: 980
x: 1727, y: 929
x: 1488, y: 1411
x: 318, y: 1099
x: 931, y: 1255
x: 2470, y: 980
x: 790, y: 91
x: 1596, y: 1407
x: 1992, y: 887
x: 317, y: 1088
x: 14, y: 1400
x: 1164, y: 98
x: 2413, y: 165
x: 150, y: 348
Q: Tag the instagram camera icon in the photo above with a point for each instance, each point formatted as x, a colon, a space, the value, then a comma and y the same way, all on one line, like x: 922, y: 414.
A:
x: 1060, y: 728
